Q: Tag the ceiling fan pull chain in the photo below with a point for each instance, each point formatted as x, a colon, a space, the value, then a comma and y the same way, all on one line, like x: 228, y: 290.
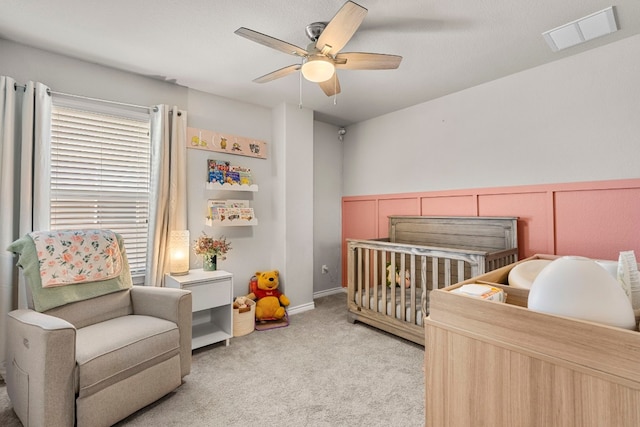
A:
x: 300, y: 83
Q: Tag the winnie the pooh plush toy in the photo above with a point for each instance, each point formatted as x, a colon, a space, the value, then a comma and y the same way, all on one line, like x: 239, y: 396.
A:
x: 270, y: 302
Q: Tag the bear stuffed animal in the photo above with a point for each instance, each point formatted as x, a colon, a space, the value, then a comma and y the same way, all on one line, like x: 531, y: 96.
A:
x: 270, y: 302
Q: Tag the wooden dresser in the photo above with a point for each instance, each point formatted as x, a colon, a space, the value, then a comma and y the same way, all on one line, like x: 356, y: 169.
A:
x: 500, y: 364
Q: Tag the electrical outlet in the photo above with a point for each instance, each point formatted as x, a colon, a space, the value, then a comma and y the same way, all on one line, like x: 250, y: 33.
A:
x: 325, y: 269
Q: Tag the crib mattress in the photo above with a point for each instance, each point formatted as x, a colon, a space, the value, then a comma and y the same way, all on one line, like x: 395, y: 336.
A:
x: 398, y: 310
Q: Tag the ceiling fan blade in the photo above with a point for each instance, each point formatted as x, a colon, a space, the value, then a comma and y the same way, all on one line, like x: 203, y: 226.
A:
x: 271, y: 42
x: 278, y: 73
x: 367, y: 61
x: 341, y: 27
x: 331, y: 86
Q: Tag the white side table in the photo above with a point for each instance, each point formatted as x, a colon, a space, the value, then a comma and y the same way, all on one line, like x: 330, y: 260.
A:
x: 212, y: 306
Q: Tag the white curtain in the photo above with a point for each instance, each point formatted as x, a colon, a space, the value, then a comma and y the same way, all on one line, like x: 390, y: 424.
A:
x: 24, y: 166
x: 168, y: 187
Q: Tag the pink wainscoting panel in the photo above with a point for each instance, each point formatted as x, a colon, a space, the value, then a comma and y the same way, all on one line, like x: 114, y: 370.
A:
x: 387, y: 207
x: 598, y: 223
x: 595, y: 219
x: 535, y: 218
x: 359, y: 219
x: 358, y: 222
x: 452, y: 205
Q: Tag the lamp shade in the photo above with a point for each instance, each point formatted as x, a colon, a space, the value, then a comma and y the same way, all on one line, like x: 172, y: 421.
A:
x: 318, y: 68
x: 578, y: 287
x: 179, y: 252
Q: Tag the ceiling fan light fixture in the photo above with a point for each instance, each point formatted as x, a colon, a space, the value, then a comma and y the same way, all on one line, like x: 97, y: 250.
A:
x: 318, y: 68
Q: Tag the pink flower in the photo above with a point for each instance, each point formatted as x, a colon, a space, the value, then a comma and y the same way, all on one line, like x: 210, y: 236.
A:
x: 67, y: 257
x: 76, y: 238
x: 209, y: 246
x: 80, y: 277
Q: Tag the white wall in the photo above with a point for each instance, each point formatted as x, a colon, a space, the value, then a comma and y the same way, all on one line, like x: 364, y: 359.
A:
x: 327, y: 208
x: 575, y: 119
x: 68, y: 75
x: 295, y: 178
x: 251, y: 246
x: 284, y: 203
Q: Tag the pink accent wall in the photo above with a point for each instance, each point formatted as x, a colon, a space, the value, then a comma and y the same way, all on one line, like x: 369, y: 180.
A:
x: 594, y: 219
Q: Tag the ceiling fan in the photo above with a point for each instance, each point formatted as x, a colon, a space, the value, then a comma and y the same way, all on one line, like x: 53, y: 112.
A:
x: 321, y: 58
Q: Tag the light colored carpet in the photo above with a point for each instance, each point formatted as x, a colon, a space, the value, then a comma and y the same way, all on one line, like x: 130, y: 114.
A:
x: 321, y: 370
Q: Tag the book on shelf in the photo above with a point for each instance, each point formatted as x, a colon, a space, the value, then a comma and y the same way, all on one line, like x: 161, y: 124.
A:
x: 216, y: 170
x: 213, y: 206
x: 237, y: 203
x: 243, y: 173
x: 246, y: 214
x: 232, y: 177
x: 228, y: 214
x: 222, y: 172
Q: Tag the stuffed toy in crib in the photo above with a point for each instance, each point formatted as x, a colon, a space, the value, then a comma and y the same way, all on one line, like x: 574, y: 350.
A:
x: 270, y: 302
x: 398, y: 279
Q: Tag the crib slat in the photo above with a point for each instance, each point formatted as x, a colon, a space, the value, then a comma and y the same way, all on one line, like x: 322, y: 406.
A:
x: 447, y: 272
x: 412, y: 290
x: 425, y: 290
x: 366, y: 279
x: 359, y: 269
x: 383, y: 284
x: 375, y: 277
x: 392, y: 309
x: 403, y: 297
x: 460, y: 271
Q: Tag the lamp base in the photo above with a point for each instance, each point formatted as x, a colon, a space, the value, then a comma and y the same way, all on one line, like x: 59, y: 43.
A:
x: 179, y: 273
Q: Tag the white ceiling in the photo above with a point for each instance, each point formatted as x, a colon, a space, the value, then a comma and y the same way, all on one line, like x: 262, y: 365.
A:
x: 447, y: 45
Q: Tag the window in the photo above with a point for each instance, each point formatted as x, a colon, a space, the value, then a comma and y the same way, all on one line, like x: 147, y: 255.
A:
x: 100, y: 172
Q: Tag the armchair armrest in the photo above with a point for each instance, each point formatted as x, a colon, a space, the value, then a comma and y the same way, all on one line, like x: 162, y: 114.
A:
x: 41, y: 368
x: 169, y: 304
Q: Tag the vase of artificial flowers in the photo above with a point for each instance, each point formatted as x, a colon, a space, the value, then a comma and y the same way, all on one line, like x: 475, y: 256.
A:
x: 211, y: 249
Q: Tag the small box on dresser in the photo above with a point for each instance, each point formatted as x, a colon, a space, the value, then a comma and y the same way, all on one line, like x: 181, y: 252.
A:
x: 501, y: 364
x: 212, y: 295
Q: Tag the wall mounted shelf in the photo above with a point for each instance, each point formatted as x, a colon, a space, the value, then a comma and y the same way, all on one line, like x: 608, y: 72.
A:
x: 231, y: 222
x: 230, y: 187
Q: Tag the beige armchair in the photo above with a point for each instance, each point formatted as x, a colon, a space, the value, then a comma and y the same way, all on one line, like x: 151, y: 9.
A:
x: 94, y: 360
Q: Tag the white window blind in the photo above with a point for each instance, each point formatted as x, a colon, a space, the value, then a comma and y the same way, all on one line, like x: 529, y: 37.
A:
x: 100, y: 171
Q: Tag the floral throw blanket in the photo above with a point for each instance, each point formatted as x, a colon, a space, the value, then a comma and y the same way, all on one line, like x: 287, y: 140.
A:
x: 76, y: 256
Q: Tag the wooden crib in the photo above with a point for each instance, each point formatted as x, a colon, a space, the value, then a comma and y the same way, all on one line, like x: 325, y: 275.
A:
x: 389, y: 280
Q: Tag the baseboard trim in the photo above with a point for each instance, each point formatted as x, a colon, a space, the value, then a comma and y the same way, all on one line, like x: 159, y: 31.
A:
x: 301, y: 308
x: 310, y: 306
x: 327, y: 292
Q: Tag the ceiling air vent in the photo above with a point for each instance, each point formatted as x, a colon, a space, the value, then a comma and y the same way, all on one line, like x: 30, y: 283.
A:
x: 582, y: 30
